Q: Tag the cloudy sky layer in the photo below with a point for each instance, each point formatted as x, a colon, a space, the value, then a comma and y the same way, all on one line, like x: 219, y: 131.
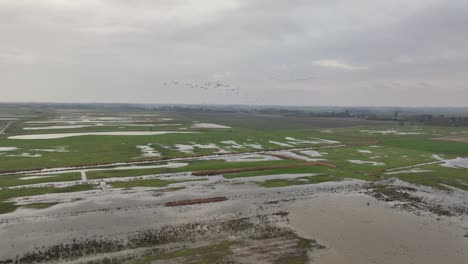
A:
x: 295, y: 52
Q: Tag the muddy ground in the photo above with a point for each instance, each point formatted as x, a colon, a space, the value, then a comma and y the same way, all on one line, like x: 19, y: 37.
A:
x: 331, y: 222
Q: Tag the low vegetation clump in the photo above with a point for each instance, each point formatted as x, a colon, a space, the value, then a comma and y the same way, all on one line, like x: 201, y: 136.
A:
x: 6, y: 194
x: 250, y: 231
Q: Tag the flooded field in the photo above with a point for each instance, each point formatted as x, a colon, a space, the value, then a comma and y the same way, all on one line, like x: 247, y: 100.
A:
x: 117, y: 189
x: 385, y: 235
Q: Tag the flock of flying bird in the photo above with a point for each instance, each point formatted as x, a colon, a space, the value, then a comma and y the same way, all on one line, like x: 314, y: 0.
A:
x: 207, y: 86
x: 219, y: 88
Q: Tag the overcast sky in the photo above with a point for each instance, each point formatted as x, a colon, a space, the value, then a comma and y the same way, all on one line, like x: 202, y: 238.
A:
x: 294, y: 52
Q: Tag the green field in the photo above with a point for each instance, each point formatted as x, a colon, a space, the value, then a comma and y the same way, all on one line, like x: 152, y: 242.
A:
x: 367, y: 149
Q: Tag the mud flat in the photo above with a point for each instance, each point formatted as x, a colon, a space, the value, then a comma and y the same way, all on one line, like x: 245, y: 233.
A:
x: 358, y: 229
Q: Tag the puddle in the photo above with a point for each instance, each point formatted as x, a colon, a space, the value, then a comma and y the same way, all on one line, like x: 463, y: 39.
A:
x: 296, y: 141
x: 148, y: 151
x: 243, y: 158
x: 364, y: 151
x: 56, y: 149
x: 57, y: 127
x: 234, y: 144
x: 33, y: 177
x: 312, y: 153
x: 8, y: 148
x: 171, y: 165
x: 295, y: 156
x: 390, y: 132
x: 188, y: 149
x: 416, y: 170
x: 373, y: 163
x: 273, y: 177
x: 355, y: 232
x: 456, y: 163
x: 25, y: 155
x: 208, y: 125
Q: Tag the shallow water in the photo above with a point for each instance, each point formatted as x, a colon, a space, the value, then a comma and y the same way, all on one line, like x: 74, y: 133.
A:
x: 355, y: 232
x: 242, y: 158
x: 373, y: 163
x: 312, y: 153
x: 115, y: 133
x: 415, y: 170
x: 171, y: 165
x: 295, y: 156
x: 148, y: 151
x: 390, y: 132
x: 208, y: 125
x: 456, y: 163
x: 57, y: 127
x: 273, y: 177
x: 8, y: 148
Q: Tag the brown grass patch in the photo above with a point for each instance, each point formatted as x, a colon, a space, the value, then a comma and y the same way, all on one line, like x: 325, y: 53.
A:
x: 196, y: 201
x: 260, y: 168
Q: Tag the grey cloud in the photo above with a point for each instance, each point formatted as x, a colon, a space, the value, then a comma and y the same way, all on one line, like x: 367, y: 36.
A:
x: 277, y: 52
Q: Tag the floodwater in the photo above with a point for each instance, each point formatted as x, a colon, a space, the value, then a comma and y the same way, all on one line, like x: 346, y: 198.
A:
x: 148, y: 151
x: 171, y: 165
x: 373, y: 163
x: 295, y: 141
x: 8, y: 148
x: 456, y: 163
x: 312, y: 153
x: 391, y: 132
x: 273, y: 177
x: 116, y: 133
x: 242, y: 158
x: 208, y: 125
x: 295, y: 156
x: 415, y: 170
x: 355, y: 232
x: 58, y: 127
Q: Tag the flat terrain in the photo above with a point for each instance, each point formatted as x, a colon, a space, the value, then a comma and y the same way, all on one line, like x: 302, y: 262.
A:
x: 140, y: 186
x: 463, y: 139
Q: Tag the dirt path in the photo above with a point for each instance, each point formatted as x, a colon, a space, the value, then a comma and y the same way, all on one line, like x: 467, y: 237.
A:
x: 4, y: 128
x: 83, y: 175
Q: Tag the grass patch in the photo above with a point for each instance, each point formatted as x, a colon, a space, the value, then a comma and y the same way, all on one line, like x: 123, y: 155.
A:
x: 6, y: 207
x: 14, y: 180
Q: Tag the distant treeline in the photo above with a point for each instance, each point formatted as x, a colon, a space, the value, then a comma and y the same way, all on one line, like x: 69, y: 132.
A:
x: 402, y: 117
